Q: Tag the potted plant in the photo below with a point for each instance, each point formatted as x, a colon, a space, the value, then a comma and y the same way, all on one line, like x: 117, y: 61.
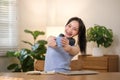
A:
x: 26, y: 56
x: 101, y: 36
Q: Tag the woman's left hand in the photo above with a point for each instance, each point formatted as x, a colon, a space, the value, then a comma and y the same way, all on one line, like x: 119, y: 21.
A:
x: 65, y: 44
x: 64, y: 41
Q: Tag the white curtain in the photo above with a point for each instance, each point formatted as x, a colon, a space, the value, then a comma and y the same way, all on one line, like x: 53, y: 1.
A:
x: 8, y: 26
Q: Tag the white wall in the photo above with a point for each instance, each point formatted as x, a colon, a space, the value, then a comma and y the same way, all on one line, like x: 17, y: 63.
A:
x: 32, y: 16
x: 40, y: 14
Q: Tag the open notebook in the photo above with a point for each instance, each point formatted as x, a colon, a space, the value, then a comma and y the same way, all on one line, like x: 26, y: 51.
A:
x: 81, y: 72
x: 40, y: 72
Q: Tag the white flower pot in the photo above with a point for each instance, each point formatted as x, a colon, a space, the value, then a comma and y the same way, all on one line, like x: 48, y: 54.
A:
x: 97, y: 52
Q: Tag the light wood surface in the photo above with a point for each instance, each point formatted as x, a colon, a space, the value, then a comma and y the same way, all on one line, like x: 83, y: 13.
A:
x: 106, y: 63
x: 23, y: 76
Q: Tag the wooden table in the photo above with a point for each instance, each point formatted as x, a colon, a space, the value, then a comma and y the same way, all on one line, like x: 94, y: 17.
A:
x: 23, y: 76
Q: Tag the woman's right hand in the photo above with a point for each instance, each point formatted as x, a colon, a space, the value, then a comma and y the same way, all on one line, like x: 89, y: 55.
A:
x: 52, y: 41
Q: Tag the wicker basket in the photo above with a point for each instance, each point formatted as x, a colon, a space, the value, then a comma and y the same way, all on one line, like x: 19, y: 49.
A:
x: 39, y: 65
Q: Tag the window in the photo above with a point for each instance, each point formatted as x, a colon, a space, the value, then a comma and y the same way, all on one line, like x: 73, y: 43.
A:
x: 8, y: 26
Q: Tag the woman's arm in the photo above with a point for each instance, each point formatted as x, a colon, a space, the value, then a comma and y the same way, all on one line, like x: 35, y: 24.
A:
x: 73, y: 50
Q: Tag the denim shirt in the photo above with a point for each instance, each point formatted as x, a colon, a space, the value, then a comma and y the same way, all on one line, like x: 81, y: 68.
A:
x: 57, y: 59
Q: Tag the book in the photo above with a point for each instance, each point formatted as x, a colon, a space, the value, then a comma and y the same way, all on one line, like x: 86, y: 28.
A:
x: 39, y: 72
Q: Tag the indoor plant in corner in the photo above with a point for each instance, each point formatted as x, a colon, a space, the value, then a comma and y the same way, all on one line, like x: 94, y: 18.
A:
x: 101, y: 36
x: 26, y: 56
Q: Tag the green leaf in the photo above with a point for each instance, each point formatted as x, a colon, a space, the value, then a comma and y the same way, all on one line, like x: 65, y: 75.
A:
x: 28, y: 64
x: 12, y: 66
x: 42, y: 42
x: 35, y: 46
x: 28, y: 31
x: 23, y: 54
x: 27, y: 43
x: 37, y: 33
x: 10, y: 53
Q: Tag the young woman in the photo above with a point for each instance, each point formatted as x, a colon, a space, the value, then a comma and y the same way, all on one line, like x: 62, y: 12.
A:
x: 58, y: 58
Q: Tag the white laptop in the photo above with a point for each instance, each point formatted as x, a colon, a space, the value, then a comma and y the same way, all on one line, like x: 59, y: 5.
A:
x: 81, y: 72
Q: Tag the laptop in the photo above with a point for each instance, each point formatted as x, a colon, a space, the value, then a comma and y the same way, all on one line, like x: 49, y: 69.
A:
x: 81, y: 72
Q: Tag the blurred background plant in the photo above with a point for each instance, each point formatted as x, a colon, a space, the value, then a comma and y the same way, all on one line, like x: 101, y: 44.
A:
x: 26, y: 56
x: 100, y: 35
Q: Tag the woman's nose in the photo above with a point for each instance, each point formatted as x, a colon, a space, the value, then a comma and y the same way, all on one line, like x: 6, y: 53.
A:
x: 70, y: 30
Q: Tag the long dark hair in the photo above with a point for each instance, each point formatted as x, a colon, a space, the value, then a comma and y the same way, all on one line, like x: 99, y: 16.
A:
x: 81, y: 34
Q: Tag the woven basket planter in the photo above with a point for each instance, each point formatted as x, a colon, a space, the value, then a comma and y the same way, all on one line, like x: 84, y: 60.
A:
x: 39, y: 65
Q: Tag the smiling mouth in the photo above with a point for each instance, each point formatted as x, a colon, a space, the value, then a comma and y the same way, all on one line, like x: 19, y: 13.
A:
x: 68, y: 35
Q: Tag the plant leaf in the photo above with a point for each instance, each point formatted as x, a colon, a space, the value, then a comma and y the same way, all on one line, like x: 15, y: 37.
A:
x: 12, y: 66
x: 28, y: 31
x: 10, y: 53
x: 42, y: 42
x: 27, y: 42
x: 37, y: 33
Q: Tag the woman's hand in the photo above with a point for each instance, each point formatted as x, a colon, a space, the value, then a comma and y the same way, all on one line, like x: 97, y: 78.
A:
x: 65, y: 44
x: 64, y: 41
x: 52, y: 41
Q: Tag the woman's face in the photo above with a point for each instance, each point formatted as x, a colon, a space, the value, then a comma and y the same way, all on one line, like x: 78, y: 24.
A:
x: 72, y: 29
